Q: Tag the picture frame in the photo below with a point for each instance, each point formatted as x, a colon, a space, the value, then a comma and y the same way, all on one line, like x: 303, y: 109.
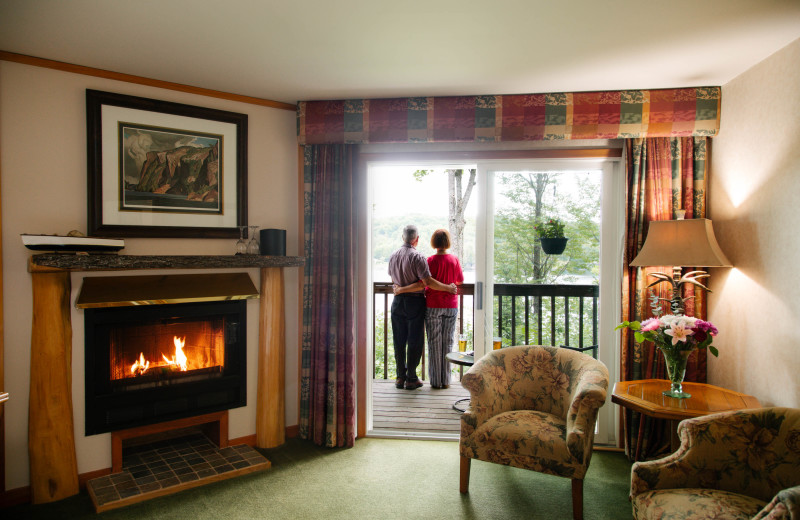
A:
x: 160, y: 169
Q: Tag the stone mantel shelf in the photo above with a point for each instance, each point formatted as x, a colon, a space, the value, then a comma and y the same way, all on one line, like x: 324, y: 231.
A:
x: 112, y: 262
x: 51, y: 440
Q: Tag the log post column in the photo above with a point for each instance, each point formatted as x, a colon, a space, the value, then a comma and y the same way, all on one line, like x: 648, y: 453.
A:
x: 270, y: 401
x: 51, y: 438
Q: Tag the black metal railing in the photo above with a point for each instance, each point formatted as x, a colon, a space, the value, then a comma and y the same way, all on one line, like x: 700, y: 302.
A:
x: 538, y: 294
x: 539, y: 305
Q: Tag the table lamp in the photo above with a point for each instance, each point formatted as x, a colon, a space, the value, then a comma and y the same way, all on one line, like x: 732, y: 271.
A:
x: 681, y: 243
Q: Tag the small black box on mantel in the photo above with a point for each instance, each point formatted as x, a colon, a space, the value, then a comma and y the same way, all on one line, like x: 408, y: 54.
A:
x: 273, y: 242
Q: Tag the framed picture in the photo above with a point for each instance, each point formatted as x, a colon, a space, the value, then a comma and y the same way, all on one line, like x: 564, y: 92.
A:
x: 161, y: 169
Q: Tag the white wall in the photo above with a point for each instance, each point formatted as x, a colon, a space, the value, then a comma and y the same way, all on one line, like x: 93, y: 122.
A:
x: 43, y: 132
x: 754, y: 194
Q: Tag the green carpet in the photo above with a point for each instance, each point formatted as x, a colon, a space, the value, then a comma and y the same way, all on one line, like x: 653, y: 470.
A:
x: 379, y: 478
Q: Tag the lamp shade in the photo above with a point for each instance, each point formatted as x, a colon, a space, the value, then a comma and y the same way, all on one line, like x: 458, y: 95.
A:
x: 686, y: 243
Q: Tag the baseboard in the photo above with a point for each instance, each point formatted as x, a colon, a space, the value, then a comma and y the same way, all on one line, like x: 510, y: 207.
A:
x: 15, y: 497
x: 250, y: 440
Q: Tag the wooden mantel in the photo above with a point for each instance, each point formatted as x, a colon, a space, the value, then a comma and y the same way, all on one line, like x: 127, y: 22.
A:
x: 51, y: 438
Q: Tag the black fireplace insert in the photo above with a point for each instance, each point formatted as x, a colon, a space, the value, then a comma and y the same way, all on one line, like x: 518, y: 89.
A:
x: 154, y: 363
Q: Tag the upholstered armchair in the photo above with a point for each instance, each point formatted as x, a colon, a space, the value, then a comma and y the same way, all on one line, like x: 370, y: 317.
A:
x: 535, y: 408
x: 730, y: 465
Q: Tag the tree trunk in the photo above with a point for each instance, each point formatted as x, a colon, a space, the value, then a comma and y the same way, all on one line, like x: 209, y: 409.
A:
x: 457, y: 204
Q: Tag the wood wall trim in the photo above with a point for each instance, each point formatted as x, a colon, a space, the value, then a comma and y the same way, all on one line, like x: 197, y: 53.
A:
x: 491, y: 155
x: 2, y: 367
x: 139, y: 80
x: 422, y: 157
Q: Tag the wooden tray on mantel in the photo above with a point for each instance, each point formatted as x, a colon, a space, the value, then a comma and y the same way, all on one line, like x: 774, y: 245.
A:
x: 64, y: 262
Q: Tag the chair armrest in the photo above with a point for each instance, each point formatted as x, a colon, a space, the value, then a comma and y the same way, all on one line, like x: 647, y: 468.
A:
x: 680, y: 469
x: 587, y: 397
x: 742, y: 451
x: 488, y: 387
x: 785, y: 506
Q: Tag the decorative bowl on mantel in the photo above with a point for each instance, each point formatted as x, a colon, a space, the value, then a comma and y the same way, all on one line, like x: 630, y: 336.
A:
x: 72, y: 244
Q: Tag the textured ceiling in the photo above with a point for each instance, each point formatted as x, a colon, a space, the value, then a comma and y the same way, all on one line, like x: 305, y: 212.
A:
x: 332, y: 49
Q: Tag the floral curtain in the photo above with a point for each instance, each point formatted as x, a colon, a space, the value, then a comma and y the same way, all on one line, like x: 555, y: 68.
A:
x: 663, y: 175
x: 328, y: 361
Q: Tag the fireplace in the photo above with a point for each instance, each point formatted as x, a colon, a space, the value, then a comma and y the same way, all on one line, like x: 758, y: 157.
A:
x: 147, y: 364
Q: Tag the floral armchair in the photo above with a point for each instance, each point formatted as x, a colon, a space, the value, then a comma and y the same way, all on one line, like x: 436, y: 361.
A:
x: 730, y: 465
x: 535, y: 408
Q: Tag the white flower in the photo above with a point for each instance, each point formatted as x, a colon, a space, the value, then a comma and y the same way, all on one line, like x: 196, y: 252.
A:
x: 669, y: 320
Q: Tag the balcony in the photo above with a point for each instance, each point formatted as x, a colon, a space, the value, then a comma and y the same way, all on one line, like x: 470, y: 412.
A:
x: 524, y: 314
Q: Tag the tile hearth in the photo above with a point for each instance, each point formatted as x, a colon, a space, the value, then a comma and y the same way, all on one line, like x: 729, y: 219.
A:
x: 165, y: 467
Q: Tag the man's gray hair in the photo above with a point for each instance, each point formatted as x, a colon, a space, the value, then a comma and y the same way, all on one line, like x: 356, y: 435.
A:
x: 410, y: 233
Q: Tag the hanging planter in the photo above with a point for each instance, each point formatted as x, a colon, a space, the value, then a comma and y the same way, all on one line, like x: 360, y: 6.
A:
x: 553, y: 246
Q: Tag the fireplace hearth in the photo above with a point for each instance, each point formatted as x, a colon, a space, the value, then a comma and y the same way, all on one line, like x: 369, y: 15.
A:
x: 155, y: 363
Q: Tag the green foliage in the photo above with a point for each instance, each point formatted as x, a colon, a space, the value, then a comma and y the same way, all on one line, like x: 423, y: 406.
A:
x: 517, y: 253
x: 551, y: 228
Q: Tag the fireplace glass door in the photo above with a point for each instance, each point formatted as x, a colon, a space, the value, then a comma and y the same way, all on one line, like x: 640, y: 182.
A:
x: 154, y: 363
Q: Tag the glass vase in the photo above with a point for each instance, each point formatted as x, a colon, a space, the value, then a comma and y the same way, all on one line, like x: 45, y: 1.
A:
x: 676, y: 370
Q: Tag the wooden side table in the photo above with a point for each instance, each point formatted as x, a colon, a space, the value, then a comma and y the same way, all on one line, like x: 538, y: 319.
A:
x: 645, y: 396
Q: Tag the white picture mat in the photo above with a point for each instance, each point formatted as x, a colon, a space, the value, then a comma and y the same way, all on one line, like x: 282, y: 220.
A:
x: 111, y: 116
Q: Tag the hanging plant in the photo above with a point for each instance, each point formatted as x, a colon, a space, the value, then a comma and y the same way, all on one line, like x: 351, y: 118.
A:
x: 551, y: 236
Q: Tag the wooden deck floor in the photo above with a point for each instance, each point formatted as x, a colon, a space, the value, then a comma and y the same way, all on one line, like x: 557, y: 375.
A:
x: 424, y: 412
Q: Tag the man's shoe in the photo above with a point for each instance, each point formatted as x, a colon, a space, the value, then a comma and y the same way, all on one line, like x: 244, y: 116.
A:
x: 399, y: 382
x: 413, y: 385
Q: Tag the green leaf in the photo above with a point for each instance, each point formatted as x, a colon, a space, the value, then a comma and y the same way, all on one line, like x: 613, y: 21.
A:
x: 713, y: 350
x: 639, y: 337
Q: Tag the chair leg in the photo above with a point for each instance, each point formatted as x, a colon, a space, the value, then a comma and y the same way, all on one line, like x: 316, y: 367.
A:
x: 464, y: 475
x: 577, y: 499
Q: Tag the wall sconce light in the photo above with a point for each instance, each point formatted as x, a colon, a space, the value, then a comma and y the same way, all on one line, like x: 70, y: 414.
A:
x: 681, y: 243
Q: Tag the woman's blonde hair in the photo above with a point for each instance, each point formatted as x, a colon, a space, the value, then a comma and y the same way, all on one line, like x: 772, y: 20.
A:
x: 440, y: 239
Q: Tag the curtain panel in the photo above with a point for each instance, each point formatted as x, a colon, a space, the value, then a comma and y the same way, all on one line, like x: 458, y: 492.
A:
x: 526, y: 117
x: 663, y: 175
x: 328, y: 358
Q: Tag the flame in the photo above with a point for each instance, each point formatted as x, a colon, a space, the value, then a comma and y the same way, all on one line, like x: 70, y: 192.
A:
x: 178, y: 360
x: 140, y: 366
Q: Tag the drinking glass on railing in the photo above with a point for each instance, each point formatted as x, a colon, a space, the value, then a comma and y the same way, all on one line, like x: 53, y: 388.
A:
x: 462, y: 342
x: 497, y: 343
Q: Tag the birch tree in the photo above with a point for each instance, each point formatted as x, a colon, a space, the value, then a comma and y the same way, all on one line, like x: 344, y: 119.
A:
x: 458, y: 195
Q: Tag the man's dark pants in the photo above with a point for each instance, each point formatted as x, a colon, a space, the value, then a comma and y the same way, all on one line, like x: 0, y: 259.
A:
x: 408, y: 328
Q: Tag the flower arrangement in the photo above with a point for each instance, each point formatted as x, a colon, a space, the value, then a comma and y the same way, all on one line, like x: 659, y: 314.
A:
x: 676, y: 337
x: 674, y: 333
x: 552, y: 228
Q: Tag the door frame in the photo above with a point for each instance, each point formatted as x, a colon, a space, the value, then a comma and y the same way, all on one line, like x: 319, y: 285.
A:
x: 363, y: 284
x: 610, y: 259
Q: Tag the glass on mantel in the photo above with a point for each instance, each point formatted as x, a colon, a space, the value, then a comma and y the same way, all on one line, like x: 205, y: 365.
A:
x: 241, y: 244
x: 252, y: 246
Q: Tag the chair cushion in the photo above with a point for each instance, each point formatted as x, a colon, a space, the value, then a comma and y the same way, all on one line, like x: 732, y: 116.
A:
x: 524, y: 439
x: 694, y: 504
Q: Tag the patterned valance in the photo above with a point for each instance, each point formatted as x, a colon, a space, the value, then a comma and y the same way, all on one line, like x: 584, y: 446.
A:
x: 528, y: 117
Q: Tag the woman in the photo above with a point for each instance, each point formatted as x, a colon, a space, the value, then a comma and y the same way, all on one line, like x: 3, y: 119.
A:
x: 442, y: 308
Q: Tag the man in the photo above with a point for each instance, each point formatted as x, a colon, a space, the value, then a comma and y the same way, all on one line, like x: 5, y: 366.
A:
x: 407, y: 266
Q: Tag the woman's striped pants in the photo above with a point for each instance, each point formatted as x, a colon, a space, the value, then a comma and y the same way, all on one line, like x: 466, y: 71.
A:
x: 440, y: 325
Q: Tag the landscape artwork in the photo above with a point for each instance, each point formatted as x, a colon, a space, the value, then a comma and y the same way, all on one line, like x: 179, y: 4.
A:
x: 170, y: 170
x: 160, y: 169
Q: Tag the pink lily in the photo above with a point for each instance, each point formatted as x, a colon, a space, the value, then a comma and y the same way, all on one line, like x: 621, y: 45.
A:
x: 679, y: 332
